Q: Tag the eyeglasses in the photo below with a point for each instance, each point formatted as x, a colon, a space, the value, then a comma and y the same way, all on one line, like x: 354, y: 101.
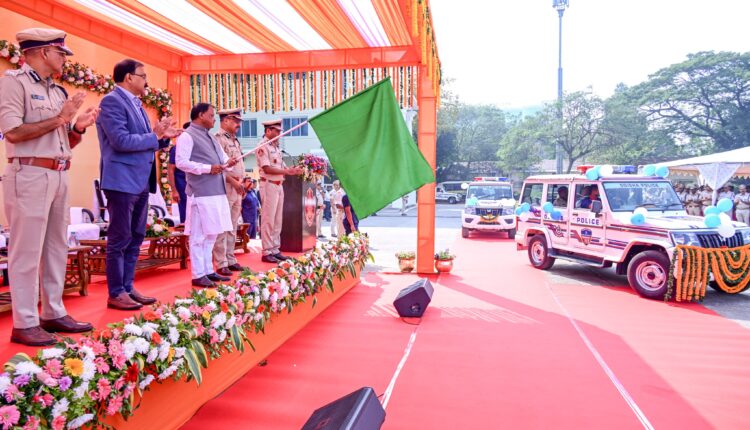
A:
x: 62, y: 53
x: 138, y: 74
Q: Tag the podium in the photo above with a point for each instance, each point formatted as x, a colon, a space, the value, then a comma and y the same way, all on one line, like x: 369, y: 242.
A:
x: 298, y: 227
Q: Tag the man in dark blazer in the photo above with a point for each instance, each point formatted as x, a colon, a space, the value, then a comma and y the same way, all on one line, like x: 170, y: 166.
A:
x: 128, y: 174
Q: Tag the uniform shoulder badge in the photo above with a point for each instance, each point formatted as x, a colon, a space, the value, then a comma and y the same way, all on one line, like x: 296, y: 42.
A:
x: 64, y: 91
x: 17, y: 72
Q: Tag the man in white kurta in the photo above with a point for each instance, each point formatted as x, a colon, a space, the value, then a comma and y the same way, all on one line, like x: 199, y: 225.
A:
x: 203, y: 160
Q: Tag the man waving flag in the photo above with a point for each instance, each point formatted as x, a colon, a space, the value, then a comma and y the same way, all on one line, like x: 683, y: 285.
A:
x: 371, y: 150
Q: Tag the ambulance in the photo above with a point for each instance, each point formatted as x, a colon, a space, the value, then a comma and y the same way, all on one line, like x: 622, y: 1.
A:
x: 573, y: 218
x: 489, y: 206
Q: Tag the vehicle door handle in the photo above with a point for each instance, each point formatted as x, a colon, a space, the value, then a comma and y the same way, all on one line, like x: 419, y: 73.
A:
x: 575, y: 214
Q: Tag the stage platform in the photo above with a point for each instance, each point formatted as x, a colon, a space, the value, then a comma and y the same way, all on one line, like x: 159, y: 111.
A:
x: 172, y: 403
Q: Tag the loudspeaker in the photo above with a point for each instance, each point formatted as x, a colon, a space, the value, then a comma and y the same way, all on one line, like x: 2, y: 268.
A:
x: 359, y: 410
x: 412, y: 301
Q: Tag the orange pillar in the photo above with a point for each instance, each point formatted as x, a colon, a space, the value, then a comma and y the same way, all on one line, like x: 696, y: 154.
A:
x: 178, y: 85
x: 426, y: 135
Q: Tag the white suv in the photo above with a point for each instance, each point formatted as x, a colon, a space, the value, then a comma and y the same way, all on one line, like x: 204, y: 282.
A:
x: 591, y: 224
x: 489, y: 206
x: 446, y: 196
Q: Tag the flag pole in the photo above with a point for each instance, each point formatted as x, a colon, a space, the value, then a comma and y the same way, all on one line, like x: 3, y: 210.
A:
x: 285, y: 133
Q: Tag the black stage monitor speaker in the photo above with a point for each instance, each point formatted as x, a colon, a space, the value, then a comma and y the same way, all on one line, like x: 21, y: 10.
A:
x: 359, y: 410
x: 412, y: 301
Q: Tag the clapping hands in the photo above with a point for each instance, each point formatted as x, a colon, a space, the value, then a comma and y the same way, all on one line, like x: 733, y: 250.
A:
x: 71, y: 106
x: 165, y: 128
x: 87, y: 118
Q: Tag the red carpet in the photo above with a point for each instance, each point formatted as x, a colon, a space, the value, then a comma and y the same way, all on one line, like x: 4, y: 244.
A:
x: 495, y: 350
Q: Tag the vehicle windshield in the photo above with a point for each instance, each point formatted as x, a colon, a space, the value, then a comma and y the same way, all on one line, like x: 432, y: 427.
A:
x: 489, y: 192
x: 652, y: 195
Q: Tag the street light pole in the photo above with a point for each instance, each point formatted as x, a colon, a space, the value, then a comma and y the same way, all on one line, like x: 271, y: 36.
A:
x: 560, y: 6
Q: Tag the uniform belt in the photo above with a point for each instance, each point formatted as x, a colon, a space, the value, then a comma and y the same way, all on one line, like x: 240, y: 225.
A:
x: 273, y: 182
x: 47, y: 163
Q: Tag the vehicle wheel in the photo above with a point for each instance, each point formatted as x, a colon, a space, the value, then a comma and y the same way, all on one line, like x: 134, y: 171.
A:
x: 464, y: 232
x: 648, y: 274
x: 452, y: 200
x: 511, y: 233
x: 539, y: 254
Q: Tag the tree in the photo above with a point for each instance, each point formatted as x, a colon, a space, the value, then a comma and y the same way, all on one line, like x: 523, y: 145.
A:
x: 582, y: 132
x: 703, y: 99
x: 522, y: 147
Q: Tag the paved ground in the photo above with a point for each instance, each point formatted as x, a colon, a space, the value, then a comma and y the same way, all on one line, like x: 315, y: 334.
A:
x: 390, y: 232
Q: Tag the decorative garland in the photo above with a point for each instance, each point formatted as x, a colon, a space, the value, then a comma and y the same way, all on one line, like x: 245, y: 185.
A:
x: 300, y: 90
x: 691, y: 266
x: 166, y: 188
x: 79, y: 382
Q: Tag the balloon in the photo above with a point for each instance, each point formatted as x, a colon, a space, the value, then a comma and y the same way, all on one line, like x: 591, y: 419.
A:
x: 557, y: 215
x: 518, y: 211
x: 712, y: 221
x: 662, y: 171
x: 649, y: 170
x: 637, y: 219
x: 724, y: 205
x: 725, y: 218
x: 606, y: 170
x: 592, y: 174
x: 726, y: 230
x: 524, y: 216
x: 548, y: 207
x: 711, y: 210
x: 525, y: 207
x: 642, y: 211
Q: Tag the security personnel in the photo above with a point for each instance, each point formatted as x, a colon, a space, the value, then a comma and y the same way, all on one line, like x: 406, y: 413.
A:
x: 272, y: 171
x: 36, y: 117
x: 223, y: 253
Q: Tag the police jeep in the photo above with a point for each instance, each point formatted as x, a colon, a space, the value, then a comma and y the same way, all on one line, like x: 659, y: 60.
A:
x: 489, y: 206
x: 441, y: 195
x: 599, y: 231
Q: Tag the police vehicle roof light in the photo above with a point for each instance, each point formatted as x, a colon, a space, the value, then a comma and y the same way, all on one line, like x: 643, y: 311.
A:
x: 490, y: 178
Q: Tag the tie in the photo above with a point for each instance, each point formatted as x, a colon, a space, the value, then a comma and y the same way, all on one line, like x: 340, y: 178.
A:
x: 144, y: 117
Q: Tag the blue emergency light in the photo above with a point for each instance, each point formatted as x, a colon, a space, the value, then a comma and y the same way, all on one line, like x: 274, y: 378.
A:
x: 490, y: 178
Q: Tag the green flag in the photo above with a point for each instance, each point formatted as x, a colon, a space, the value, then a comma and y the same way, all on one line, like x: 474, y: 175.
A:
x: 371, y: 150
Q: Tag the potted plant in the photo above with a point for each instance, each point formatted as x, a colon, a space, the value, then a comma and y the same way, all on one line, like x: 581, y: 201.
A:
x: 444, y: 261
x: 406, y: 260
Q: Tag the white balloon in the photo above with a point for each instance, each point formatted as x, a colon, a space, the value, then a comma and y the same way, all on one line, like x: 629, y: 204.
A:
x: 643, y: 211
x: 725, y: 219
x: 606, y: 170
x: 726, y: 230
x: 524, y: 216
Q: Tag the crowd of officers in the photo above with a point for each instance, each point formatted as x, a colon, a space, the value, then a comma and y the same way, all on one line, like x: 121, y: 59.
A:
x: 697, y: 198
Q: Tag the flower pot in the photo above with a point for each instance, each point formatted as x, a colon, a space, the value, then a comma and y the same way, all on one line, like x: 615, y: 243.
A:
x: 443, y: 266
x: 406, y: 264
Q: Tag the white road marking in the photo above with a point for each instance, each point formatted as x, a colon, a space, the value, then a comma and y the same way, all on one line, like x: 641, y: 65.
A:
x: 407, y: 351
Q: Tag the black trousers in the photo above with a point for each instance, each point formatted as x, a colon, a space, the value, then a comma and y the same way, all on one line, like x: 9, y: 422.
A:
x: 127, y: 228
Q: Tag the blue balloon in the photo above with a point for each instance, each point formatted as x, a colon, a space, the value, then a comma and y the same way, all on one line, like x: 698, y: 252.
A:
x: 711, y: 210
x: 662, y: 171
x: 593, y: 173
x: 548, y: 207
x: 637, y: 219
x: 525, y: 207
x: 649, y: 170
x: 712, y: 221
x: 556, y: 215
x: 724, y: 205
x: 518, y: 211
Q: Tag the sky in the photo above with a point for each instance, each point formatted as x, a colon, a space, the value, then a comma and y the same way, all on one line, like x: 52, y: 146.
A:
x: 505, y: 52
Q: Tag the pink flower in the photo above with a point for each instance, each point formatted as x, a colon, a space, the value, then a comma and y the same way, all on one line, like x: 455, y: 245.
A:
x: 119, y: 383
x: 214, y: 336
x: 46, y: 379
x: 44, y: 400
x: 32, y: 423
x: 58, y: 423
x: 11, y: 393
x: 114, y: 405
x: 54, y: 368
x: 9, y: 416
x: 101, y: 365
x: 103, y: 387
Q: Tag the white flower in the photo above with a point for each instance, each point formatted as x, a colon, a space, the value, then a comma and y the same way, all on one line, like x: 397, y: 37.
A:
x: 222, y: 335
x: 141, y: 345
x: 89, y: 370
x: 4, y: 383
x: 163, y: 180
x: 80, y: 73
x: 133, y: 329
x: 231, y: 321
x: 211, y: 306
x: 78, y: 422
x: 219, y: 320
x: 179, y: 351
x: 26, y: 368
x: 81, y: 390
x: 265, y: 294
x: 60, y: 407
x: 14, y: 60
x: 4, y: 52
x: 183, y: 312
x: 152, y: 354
x: 256, y: 301
x: 258, y: 317
x: 174, y: 335
x: 50, y: 353
x: 128, y: 349
x: 158, y: 228
x: 171, y: 318
x: 183, y: 302
x: 146, y: 382
x: 87, y: 352
x: 167, y: 372
x: 164, y: 351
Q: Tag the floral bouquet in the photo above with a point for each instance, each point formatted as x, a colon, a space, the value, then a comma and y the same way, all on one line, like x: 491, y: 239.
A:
x: 314, y: 168
x: 10, y: 51
x: 156, y: 227
x: 444, y: 255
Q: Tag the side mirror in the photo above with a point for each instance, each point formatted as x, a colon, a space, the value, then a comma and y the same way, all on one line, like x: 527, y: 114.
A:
x: 596, y: 207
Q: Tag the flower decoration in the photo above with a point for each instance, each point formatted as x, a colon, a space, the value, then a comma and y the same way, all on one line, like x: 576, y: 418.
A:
x: 444, y: 255
x: 166, y: 188
x: 156, y: 227
x: 79, y: 382
x: 314, y: 168
x: 10, y: 52
x: 406, y: 255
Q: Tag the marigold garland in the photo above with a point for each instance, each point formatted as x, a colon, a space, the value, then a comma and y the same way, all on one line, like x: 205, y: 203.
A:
x: 692, y: 265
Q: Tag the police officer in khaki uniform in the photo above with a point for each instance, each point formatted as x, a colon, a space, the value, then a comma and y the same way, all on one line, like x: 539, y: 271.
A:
x: 223, y: 253
x: 37, y: 120
x: 272, y: 171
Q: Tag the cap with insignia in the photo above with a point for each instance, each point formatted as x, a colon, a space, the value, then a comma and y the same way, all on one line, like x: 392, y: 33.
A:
x: 39, y: 37
x: 274, y: 123
x: 231, y: 113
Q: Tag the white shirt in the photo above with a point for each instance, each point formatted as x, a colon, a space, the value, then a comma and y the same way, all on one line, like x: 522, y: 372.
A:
x: 214, y: 211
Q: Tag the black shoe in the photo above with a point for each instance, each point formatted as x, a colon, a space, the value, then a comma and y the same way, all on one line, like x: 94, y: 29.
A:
x: 236, y: 267
x: 281, y: 257
x: 269, y: 259
x: 203, y: 282
x: 217, y: 278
